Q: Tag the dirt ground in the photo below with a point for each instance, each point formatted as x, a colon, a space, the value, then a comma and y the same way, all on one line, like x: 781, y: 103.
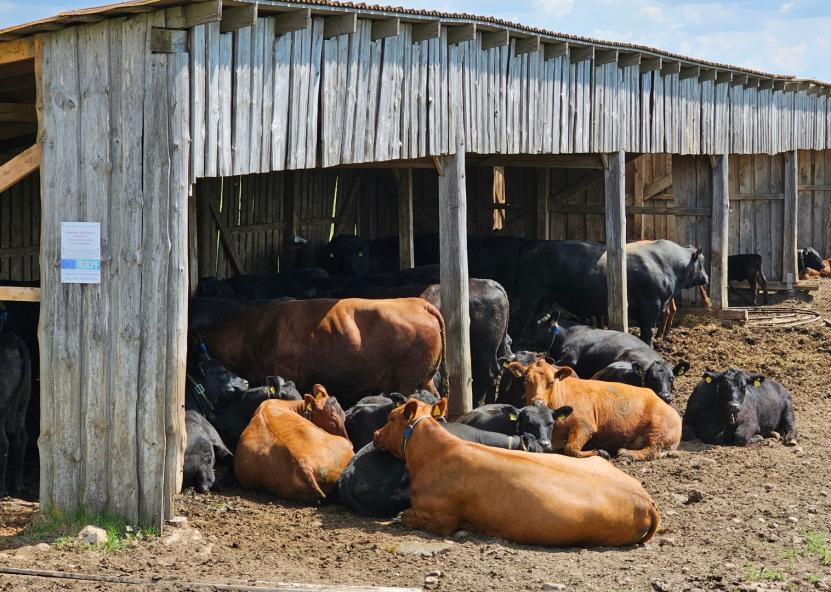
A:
x: 732, y: 518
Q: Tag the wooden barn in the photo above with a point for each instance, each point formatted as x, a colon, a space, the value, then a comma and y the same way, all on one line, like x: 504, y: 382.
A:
x: 209, y: 137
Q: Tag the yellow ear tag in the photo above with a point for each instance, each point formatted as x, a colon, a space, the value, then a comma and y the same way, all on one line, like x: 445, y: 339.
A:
x: 319, y: 395
x: 505, y: 364
x: 272, y: 390
x: 513, y: 417
x: 681, y: 372
x: 517, y: 373
x: 757, y: 383
x: 436, y: 412
x: 708, y: 380
x: 309, y: 407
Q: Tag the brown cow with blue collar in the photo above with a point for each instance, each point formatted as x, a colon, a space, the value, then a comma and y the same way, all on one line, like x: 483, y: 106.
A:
x: 535, y: 499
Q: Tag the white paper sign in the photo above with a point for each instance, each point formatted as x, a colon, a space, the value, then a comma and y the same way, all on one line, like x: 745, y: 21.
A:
x: 81, y: 252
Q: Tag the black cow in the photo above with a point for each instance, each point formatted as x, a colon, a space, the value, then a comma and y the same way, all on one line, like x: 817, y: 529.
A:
x: 736, y: 407
x: 534, y: 420
x: 748, y: 268
x: 573, y: 273
x: 15, y: 391
x: 371, y: 413
x: 591, y: 351
x: 398, y: 283
x: 809, y: 258
x: 510, y: 390
x: 375, y: 483
x: 266, y: 286
x: 347, y: 254
x: 204, y: 449
x: 489, y: 312
x: 213, y: 287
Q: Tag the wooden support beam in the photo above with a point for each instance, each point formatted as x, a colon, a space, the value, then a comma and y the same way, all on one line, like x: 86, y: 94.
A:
x: 406, y: 248
x: 18, y: 294
x: 605, y: 56
x: 17, y: 113
x: 615, y: 200
x: 778, y: 85
x: 720, y: 232
x: 461, y: 34
x: 627, y: 60
x: 581, y: 53
x: 385, y: 28
x: 527, y: 45
x: 19, y: 167
x: 724, y: 76
x: 813, y: 89
x: 168, y: 41
x: 766, y: 84
x: 493, y: 39
x: 454, y: 279
x: 790, y: 226
x: 739, y: 80
x: 192, y: 15
x: 657, y: 186
x: 668, y: 68
x: 225, y: 237
x: 17, y: 50
x: 341, y: 24
x: 706, y: 74
x: 690, y: 72
x: 752, y: 82
x: 651, y: 64
x: 289, y: 22
x: 425, y: 31
x: 555, y: 50
x: 237, y: 18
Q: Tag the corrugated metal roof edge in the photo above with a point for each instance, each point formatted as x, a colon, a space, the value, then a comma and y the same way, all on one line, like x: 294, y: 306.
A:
x: 70, y: 18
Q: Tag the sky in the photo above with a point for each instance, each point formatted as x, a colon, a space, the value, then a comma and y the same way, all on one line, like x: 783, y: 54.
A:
x: 778, y: 36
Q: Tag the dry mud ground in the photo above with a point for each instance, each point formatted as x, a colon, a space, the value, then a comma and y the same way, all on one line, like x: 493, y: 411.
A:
x: 732, y: 518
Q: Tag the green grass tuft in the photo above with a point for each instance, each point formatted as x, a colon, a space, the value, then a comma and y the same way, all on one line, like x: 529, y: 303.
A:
x: 818, y: 545
x: 763, y: 573
x: 63, y: 530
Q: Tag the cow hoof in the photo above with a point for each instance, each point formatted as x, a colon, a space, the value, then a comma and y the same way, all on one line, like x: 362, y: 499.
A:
x: 790, y: 442
x: 603, y: 454
x: 775, y: 435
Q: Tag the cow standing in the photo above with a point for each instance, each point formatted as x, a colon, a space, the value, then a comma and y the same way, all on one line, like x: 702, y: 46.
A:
x: 15, y: 391
x: 748, y: 268
x: 736, y: 407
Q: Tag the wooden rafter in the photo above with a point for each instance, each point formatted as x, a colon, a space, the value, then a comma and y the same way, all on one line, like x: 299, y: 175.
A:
x: 18, y: 294
x: 19, y: 167
x: 17, y: 50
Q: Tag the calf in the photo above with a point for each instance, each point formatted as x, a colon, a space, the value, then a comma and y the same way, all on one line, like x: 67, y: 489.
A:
x: 607, y: 417
x: 809, y: 263
x: 533, y: 420
x: 542, y: 499
x: 204, y: 449
x: 735, y: 407
x: 748, y: 268
x: 15, y: 390
x: 295, y: 450
x: 370, y: 414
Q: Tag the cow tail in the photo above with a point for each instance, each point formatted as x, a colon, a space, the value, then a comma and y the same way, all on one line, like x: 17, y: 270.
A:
x: 445, y: 379
x: 655, y: 517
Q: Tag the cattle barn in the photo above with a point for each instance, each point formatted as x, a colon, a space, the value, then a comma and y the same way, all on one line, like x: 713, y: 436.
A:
x: 225, y: 136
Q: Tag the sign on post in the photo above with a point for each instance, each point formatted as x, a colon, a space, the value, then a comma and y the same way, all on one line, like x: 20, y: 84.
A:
x: 81, y: 252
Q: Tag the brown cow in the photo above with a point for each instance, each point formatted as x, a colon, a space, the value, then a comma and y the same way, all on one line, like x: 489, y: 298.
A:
x: 353, y: 346
x: 606, y: 416
x: 810, y: 274
x: 536, y: 499
x: 295, y: 450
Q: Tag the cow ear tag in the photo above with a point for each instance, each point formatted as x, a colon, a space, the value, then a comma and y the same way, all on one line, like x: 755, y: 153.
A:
x: 513, y: 417
x: 272, y: 390
x: 319, y: 395
x: 309, y: 407
x: 436, y: 412
x: 708, y: 380
x: 505, y: 364
x: 757, y: 383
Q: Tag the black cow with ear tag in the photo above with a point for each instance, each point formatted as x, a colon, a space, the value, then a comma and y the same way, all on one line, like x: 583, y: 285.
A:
x: 739, y: 408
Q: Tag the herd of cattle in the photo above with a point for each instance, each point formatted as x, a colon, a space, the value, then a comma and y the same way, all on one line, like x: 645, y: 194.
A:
x: 374, y: 337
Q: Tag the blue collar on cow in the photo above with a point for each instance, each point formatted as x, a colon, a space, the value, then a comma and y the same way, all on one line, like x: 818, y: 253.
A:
x: 199, y: 390
x: 408, y: 431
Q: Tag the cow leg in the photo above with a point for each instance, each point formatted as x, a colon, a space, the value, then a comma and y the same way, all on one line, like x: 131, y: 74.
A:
x: 436, y: 522
x: 787, y: 424
x: 669, y: 316
x: 574, y: 445
x: 764, y: 283
x: 4, y: 455
x: 747, y: 434
x: 650, y: 453
x: 754, y: 289
x: 650, y: 311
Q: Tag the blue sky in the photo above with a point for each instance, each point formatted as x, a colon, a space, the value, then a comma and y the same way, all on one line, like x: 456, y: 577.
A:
x: 780, y: 36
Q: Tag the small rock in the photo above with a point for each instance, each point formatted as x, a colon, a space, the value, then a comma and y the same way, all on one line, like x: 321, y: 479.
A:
x: 685, y: 570
x: 92, y: 535
x: 681, y: 498
x: 793, y: 519
x: 729, y: 566
x: 547, y: 587
x: 431, y: 581
x: 821, y: 585
x: 797, y: 540
x: 797, y: 450
x: 760, y: 519
x: 660, y: 586
x: 460, y: 534
x: 436, y: 573
x: 812, y: 510
x: 178, y: 522
x: 41, y: 547
x: 424, y: 548
x: 670, y: 513
x: 666, y: 542
x: 771, y: 537
x: 823, y: 493
x: 769, y: 487
x: 695, y: 497
x: 736, y: 520
x: 673, y: 454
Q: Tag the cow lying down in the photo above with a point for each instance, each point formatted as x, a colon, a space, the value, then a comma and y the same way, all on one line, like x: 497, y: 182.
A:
x: 204, y: 449
x: 735, y: 407
x: 295, y: 450
x: 605, y: 417
x: 542, y: 499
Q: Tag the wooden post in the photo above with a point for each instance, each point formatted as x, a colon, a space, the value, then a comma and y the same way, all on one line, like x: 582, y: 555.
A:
x: 543, y: 195
x: 720, y: 233
x: 791, y: 218
x: 616, y: 240
x: 454, y: 278
x: 406, y: 250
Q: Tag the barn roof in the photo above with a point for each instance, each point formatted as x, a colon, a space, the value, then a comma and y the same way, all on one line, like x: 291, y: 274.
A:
x: 324, y: 7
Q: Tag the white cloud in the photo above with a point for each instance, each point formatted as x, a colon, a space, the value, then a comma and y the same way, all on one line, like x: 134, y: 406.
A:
x: 653, y: 12
x: 786, y: 7
x: 553, y: 8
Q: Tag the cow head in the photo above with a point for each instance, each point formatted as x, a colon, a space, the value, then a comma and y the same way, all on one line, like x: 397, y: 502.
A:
x: 533, y: 420
x: 400, y: 424
x: 213, y: 287
x: 282, y: 389
x: 218, y: 384
x: 540, y: 377
x: 325, y: 411
x: 812, y: 259
x: 563, y: 424
x: 660, y: 376
x: 729, y: 389
x: 696, y: 269
x: 346, y: 254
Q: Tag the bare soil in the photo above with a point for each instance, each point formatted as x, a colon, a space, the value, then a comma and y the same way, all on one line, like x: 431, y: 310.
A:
x: 732, y: 518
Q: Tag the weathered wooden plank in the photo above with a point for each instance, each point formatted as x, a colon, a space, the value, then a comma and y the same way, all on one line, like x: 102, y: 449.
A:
x: 168, y: 40
x: 358, y: 45
x: 225, y: 99
x: 242, y: 101
x: 527, y: 45
x: 16, y: 112
x: 454, y: 278
x: 281, y: 91
x: 17, y: 294
x: 342, y: 24
x: 17, y: 50
x: 461, y: 33
x: 791, y: 219
x: 19, y: 167
x: 426, y: 31
x: 238, y: 18
x: 194, y: 14
x: 198, y: 99
x: 255, y: 118
x: 212, y: 107
x: 268, y: 95
x: 291, y: 21
x: 406, y: 250
x: 615, y: 199
x: 387, y: 27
